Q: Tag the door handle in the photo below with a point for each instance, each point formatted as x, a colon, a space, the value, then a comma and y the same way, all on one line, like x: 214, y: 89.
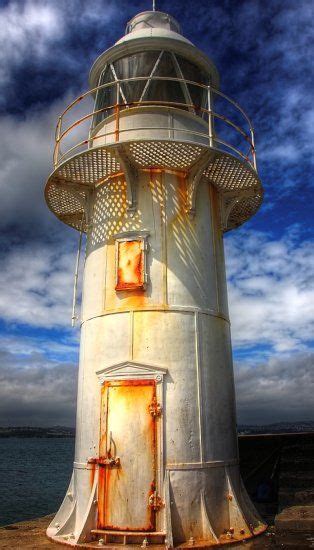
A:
x: 110, y: 461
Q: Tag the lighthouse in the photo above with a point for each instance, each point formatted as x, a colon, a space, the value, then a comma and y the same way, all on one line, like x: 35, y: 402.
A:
x: 160, y: 165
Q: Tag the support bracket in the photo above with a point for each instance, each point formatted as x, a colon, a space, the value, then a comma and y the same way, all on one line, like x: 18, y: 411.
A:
x: 131, y: 174
x: 194, y: 178
x: 229, y: 201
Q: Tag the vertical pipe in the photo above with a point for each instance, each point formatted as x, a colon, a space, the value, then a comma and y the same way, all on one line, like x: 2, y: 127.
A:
x: 199, y: 383
x: 210, y: 117
x: 77, y: 263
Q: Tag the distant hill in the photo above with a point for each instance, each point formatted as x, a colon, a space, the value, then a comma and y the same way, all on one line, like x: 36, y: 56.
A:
x: 28, y: 431
x: 243, y: 429
x: 277, y: 428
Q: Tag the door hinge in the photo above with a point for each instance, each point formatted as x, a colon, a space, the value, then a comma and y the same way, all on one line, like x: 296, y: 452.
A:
x: 155, y: 501
x: 155, y: 408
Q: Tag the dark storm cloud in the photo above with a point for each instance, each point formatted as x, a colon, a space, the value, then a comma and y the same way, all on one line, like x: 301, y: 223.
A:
x: 25, y: 157
x: 262, y: 50
x: 278, y: 390
x: 35, y: 391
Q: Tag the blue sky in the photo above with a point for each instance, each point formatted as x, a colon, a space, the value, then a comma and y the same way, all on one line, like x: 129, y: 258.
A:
x: 263, y: 53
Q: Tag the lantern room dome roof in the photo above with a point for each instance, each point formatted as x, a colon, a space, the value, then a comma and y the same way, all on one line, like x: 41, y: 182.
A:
x: 153, y: 19
x: 153, y: 24
x: 153, y: 30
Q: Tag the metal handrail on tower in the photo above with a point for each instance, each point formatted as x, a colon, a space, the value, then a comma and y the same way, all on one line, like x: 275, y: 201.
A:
x: 207, y: 114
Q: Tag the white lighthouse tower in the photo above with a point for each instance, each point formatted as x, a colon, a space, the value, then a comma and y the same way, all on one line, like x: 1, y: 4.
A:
x: 166, y: 167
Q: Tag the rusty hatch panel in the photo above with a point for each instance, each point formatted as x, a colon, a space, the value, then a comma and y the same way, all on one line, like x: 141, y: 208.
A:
x: 127, y: 460
x: 130, y: 265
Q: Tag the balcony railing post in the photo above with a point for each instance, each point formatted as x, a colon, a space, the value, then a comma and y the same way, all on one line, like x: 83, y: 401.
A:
x: 117, y: 112
x: 210, y: 117
x: 253, y: 149
x: 57, y: 139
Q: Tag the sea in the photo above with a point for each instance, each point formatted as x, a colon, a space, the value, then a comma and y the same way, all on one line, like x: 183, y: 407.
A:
x: 34, y: 476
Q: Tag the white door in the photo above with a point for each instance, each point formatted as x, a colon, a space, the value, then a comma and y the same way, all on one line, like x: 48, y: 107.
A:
x: 127, y: 463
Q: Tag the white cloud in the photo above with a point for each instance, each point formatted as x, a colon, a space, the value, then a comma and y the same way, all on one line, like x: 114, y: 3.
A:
x: 36, y: 284
x: 26, y: 162
x: 27, y: 29
x: 30, y: 31
x: 271, y: 290
x: 51, y: 345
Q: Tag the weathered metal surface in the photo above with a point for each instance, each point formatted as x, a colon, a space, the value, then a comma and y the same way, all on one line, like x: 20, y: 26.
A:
x: 130, y: 265
x: 127, y: 430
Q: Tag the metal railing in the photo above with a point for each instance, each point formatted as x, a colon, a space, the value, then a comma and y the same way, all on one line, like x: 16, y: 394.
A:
x: 208, y: 114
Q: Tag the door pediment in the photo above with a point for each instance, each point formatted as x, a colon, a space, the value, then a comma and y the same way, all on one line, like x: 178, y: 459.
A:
x: 131, y: 370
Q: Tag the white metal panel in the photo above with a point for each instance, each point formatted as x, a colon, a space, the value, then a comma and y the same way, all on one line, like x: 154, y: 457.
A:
x: 219, y: 416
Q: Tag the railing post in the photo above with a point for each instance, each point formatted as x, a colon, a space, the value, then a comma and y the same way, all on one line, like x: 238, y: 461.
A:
x: 57, y: 140
x: 253, y: 149
x: 117, y: 112
x: 210, y: 118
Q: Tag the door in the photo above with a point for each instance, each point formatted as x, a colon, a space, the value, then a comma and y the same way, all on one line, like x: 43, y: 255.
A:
x: 127, y: 463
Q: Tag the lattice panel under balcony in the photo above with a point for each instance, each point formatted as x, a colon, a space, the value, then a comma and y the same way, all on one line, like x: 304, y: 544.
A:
x: 88, y: 169
x: 243, y: 210
x: 228, y: 174
x: 65, y: 204
x: 167, y: 154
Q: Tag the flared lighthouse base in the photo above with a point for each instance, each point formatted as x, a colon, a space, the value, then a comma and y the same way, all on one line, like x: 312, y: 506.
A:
x: 211, y: 525
x: 200, y: 545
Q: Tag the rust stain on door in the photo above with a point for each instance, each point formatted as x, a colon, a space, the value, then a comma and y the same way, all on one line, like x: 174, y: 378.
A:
x: 130, y: 265
x: 128, y: 442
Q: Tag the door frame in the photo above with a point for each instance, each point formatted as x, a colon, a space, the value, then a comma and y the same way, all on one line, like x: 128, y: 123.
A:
x: 131, y: 370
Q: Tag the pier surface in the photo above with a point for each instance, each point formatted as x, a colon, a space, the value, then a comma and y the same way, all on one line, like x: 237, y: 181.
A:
x: 27, y: 534
x: 31, y: 535
x: 283, y: 461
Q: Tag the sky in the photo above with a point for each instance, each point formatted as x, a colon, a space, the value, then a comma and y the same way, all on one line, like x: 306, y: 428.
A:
x: 262, y: 50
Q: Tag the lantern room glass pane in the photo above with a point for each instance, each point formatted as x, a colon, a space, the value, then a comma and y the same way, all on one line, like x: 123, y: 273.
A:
x: 194, y: 74
x: 137, y: 65
x: 165, y: 91
x: 166, y: 66
x: 106, y: 97
x: 153, y: 64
